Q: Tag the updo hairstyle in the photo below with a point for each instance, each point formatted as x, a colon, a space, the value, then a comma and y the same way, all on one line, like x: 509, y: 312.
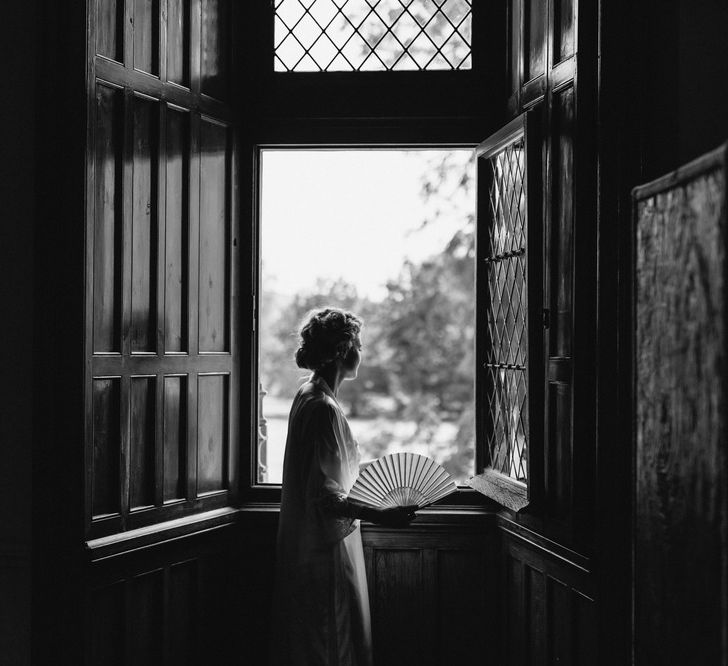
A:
x: 325, y: 335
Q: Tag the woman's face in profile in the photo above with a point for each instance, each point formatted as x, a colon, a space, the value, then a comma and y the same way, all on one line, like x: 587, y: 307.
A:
x: 353, y: 359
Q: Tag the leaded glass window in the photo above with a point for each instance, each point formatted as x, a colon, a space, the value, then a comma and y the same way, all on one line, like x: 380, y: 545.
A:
x: 371, y: 35
x: 510, y: 323
x: 507, y: 353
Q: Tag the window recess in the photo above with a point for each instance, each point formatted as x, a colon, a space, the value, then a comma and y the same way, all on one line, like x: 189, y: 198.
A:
x: 510, y: 318
x: 396, y: 228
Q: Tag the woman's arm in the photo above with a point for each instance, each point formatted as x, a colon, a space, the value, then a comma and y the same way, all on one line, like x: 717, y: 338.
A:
x: 342, y: 507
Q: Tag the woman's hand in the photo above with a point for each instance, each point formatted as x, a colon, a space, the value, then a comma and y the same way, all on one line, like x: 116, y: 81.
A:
x: 399, y: 516
x: 364, y: 464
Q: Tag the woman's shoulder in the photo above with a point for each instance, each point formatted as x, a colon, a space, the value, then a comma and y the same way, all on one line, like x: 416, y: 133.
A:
x: 314, y: 398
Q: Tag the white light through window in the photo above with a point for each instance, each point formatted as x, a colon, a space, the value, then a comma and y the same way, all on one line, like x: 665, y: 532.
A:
x: 388, y: 234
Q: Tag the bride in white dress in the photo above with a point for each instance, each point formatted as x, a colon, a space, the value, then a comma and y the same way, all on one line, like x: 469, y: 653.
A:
x: 321, y: 604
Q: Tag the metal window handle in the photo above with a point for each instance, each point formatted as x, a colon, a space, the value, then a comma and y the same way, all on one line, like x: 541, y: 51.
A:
x: 546, y: 318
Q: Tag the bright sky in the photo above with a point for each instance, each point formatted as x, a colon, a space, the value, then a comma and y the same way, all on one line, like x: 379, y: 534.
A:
x: 345, y: 213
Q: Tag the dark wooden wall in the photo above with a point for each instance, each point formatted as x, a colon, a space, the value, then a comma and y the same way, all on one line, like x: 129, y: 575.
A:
x: 681, y: 484
x: 549, y: 601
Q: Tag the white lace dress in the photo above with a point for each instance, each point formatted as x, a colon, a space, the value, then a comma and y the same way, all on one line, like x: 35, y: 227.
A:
x: 321, y: 602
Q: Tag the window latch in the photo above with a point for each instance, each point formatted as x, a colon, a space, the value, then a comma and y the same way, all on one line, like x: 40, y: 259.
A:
x: 546, y: 318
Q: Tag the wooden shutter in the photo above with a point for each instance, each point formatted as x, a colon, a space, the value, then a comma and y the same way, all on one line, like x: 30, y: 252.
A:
x: 161, y: 351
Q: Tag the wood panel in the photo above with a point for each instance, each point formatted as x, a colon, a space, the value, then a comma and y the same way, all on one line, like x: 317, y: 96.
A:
x: 463, y: 588
x: 536, y: 26
x: 178, y: 42
x: 182, y: 609
x: 142, y: 442
x: 108, y: 227
x: 176, y: 284
x: 558, y: 486
x: 433, y: 592
x: 514, y: 611
x: 145, y: 213
x: 399, y: 594
x: 146, y: 618
x: 680, y: 550
x: 106, y: 445
x: 146, y: 36
x: 549, y: 613
x: 175, y: 436
x: 212, y: 432
x: 215, y: 24
x: 168, y: 603
x: 110, y: 29
x: 564, y: 29
x: 562, y: 242
x: 214, y: 238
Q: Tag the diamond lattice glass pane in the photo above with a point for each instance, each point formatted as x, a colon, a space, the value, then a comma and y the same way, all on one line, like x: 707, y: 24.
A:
x: 507, y: 351
x: 372, y: 34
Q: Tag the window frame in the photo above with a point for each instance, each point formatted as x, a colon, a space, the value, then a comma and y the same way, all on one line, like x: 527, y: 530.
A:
x: 505, y: 490
x: 465, y: 496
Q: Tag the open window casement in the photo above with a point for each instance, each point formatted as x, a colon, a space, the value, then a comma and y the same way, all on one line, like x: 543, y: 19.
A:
x: 510, y: 314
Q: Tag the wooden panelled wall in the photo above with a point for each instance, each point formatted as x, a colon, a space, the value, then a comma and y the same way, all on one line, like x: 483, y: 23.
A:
x: 549, y: 596
x: 161, y: 264
x: 162, y: 376
x: 162, y: 362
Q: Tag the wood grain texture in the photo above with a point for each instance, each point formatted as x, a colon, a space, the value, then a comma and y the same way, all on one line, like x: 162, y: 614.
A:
x: 548, y: 607
x: 399, y: 612
x: 680, y: 366
x: 562, y: 242
x: 107, y: 248
x: 178, y: 41
x: 146, y: 36
x: 535, y: 56
x: 145, y: 212
x: 176, y: 262
x: 182, y: 610
x: 175, y: 436
x: 433, y: 592
x: 212, y: 432
x: 215, y: 24
x: 160, y: 165
x: 109, y: 26
x: 146, y: 618
x: 564, y: 24
x: 142, y: 441
x: 506, y: 491
x: 106, y: 445
x: 214, y: 264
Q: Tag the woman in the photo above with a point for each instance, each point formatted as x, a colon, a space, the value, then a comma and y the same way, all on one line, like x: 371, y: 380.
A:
x: 321, y: 605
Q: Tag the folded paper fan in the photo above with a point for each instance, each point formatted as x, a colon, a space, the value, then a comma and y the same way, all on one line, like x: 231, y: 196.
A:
x: 402, y: 479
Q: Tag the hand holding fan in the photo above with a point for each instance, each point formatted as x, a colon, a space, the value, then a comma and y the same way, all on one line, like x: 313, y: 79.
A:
x: 402, y: 479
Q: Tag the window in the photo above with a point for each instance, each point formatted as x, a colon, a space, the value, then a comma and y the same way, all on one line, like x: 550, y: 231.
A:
x: 398, y: 237
x: 509, y: 294
x: 366, y: 35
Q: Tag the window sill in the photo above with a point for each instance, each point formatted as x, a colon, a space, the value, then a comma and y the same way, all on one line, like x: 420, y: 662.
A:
x: 503, y: 489
x: 152, y: 535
